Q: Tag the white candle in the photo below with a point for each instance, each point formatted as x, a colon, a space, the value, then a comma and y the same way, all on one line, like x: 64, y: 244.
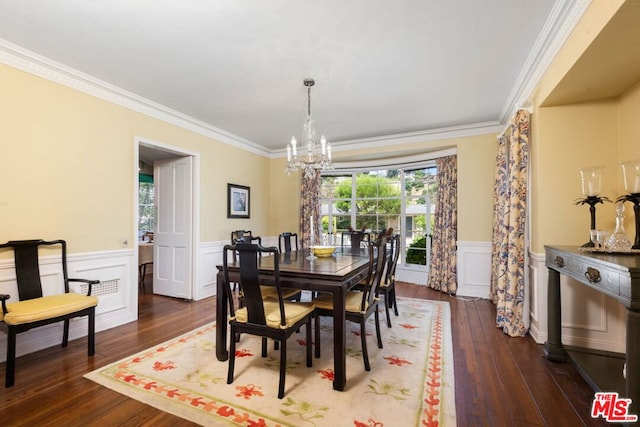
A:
x: 636, y: 183
x: 311, y: 226
x: 294, y: 145
x: 590, y: 189
x: 323, y: 145
x: 288, y: 153
x: 329, y: 152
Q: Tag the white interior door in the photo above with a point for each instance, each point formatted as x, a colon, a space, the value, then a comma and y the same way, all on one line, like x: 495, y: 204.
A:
x: 174, y: 221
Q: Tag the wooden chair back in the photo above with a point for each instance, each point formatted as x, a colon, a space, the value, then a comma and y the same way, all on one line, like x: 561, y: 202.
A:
x: 248, y: 259
x: 394, y: 254
x: 377, y: 260
x: 356, y: 238
x: 289, y: 241
x: 239, y: 234
x: 27, y: 266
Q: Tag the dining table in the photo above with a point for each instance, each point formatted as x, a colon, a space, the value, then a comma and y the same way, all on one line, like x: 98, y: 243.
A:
x: 335, y: 274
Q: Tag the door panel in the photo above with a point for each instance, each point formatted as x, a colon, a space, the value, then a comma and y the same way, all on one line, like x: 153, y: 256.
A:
x: 172, y: 238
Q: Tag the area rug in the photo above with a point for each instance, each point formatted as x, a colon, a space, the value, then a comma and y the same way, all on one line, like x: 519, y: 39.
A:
x: 411, y: 382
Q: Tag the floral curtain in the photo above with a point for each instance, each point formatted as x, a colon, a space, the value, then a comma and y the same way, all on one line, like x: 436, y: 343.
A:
x: 442, y: 272
x: 310, y: 207
x: 509, y: 221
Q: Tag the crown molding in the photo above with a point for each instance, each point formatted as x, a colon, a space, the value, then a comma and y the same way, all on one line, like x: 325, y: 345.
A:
x: 30, y: 62
x: 563, y: 19
x: 410, y: 137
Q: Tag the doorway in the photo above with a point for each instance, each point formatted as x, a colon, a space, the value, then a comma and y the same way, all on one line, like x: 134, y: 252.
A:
x: 175, y: 176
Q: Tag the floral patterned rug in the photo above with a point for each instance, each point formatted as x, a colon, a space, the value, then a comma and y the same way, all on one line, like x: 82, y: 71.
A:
x: 411, y: 381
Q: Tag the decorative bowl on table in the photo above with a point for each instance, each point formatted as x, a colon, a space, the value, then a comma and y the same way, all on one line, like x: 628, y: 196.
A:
x: 323, y: 251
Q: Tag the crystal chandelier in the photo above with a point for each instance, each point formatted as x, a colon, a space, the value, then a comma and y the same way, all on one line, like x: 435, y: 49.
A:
x: 315, y: 154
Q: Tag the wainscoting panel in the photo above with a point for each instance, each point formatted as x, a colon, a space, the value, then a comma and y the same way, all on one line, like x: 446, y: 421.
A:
x: 210, y: 257
x: 589, y: 319
x: 474, y: 269
x: 117, y: 294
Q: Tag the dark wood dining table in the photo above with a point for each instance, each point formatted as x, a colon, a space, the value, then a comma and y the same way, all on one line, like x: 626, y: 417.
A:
x: 335, y: 274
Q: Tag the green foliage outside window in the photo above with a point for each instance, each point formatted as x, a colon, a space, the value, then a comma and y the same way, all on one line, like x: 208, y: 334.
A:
x: 417, y: 251
x: 375, y: 195
x: 146, y: 220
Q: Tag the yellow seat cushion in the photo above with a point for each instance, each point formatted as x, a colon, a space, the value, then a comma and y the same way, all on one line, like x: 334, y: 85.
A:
x: 270, y: 292
x: 36, y: 309
x: 386, y: 283
x: 294, y: 311
x: 352, y: 301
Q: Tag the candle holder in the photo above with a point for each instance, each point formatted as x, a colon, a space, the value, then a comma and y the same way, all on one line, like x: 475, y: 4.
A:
x: 631, y: 176
x: 635, y: 199
x: 592, y: 201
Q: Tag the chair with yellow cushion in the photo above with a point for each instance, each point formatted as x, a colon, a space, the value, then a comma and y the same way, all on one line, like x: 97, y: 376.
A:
x: 358, y: 305
x: 274, y: 318
x: 33, y: 309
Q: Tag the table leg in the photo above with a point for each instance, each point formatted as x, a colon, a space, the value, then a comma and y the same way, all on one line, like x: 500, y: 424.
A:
x: 553, y: 349
x: 339, y: 340
x: 633, y: 361
x: 221, y: 318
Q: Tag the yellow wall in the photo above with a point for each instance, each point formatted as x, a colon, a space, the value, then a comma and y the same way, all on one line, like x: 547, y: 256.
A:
x: 578, y: 134
x: 284, y: 199
x: 629, y: 126
x: 67, y: 167
x: 565, y: 139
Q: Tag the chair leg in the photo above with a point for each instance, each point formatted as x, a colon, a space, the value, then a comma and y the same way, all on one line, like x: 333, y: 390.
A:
x: 317, y: 343
x: 65, y: 333
x: 91, y: 334
x: 11, y: 358
x: 386, y: 308
x: 264, y: 347
x: 283, y: 367
x: 365, y: 352
x: 378, y: 335
x: 309, y: 356
x: 232, y: 356
x: 394, y: 302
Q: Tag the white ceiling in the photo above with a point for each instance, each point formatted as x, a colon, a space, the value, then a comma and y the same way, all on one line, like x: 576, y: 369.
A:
x: 381, y: 67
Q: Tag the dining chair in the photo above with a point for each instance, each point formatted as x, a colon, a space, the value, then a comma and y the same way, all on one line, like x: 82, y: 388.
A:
x: 34, y: 309
x: 388, y: 282
x: 356, y: 238
x: 358, y: 305
x: 271, y: 318
x: 289, y: 241
x: 242, y: 235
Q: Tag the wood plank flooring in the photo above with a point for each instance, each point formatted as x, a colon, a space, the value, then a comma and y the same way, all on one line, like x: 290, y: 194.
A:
x: 499, y: 381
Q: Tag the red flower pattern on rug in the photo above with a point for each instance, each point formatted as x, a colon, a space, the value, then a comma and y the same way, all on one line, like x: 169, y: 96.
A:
x: 431, y: 410
x: 127, y: 372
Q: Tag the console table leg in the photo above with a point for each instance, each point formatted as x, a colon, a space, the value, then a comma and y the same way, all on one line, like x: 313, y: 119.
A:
x: 553, y: 349
x: 633, y: 361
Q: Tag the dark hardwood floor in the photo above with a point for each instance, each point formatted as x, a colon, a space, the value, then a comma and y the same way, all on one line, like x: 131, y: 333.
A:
x: 499, y: 381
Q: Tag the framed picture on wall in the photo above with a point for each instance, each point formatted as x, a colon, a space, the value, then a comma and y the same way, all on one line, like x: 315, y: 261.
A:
x: 238, y: 201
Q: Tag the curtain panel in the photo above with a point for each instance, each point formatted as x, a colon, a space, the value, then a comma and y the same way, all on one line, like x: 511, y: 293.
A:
x: 442, y: 264
x: 507, y: 289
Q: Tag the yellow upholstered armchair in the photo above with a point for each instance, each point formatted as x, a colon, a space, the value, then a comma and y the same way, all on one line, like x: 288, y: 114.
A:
x: 33, y: 309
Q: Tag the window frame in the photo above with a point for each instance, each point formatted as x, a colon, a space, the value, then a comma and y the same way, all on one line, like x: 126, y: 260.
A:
x: 403, y: 198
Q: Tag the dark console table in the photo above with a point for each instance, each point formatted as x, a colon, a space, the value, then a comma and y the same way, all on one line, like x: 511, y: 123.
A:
x: 615, y: 275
